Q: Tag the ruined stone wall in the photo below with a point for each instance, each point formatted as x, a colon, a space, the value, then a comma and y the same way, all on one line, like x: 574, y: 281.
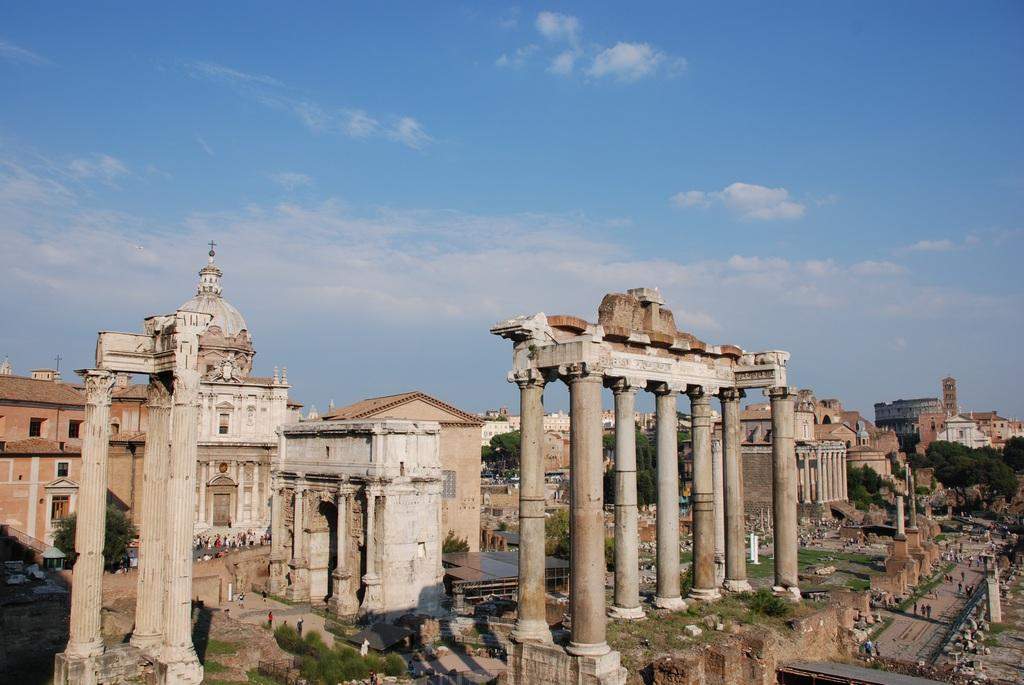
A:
x: 757, y: 478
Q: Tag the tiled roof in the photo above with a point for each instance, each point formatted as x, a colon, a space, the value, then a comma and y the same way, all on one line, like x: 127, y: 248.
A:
x: 23, y: 389
x: 135, y: 391
x: 39, y: 446
x: 379, y: 407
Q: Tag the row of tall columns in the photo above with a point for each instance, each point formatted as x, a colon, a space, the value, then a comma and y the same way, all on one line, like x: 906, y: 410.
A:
x: 828, y: 480
x: 588, y: 628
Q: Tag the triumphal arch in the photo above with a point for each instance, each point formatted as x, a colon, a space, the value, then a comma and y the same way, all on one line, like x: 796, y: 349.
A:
x: 167, y: 350
x: 635, y: 346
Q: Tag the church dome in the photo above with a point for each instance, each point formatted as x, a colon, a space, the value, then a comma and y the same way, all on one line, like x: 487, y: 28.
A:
x: 225, y: 347
x: 208, y: 300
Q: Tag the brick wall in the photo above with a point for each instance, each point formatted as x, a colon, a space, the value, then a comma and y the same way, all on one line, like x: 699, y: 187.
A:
x: 757, y: 477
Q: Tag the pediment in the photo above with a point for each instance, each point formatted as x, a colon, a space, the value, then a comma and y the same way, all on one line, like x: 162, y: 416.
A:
x: 62, y: 483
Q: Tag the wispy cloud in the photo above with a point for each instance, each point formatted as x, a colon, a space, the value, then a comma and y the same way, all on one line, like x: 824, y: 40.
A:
x: 101, y: 167
x: 15, y: 53
x: 509, y: 19
x: 517, y: 58
x: 558, y: 27
x: 629, y: 62
x: 291, y: 180
x: 346, y: 121
x: 205, y: 146
x: 990, y: 237
x: 745, y: 200
x: 941, y: 245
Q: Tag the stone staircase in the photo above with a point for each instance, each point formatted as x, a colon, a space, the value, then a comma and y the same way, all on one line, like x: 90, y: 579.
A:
x: 847, y: 511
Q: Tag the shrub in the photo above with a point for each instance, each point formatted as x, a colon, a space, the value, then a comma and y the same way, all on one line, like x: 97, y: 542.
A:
x: 765, y: 603
x: 394, y: 665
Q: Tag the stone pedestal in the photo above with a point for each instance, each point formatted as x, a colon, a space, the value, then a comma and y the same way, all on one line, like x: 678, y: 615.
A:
x: 544, y: 664
x: 119, y: 663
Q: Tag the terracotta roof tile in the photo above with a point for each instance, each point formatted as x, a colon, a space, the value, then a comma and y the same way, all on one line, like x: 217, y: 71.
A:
x: 39, y: 446
x: 22, y: 389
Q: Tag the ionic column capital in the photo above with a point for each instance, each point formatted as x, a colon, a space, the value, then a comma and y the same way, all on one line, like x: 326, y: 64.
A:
x: 527, y: 378
x: 699, y: 395
x: 731, y: 394
x: 582, y: 372
x: 624, y: 384
x: 99, y: 386
x: 780, y: 392
x: 663, y: 389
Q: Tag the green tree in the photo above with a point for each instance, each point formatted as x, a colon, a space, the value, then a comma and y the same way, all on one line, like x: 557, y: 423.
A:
x: 119, y: 534
x: 504, y: 450
x: 864, y: 485
x: 1013, y: 453
x: 452, y: 543
x: 556, y: 534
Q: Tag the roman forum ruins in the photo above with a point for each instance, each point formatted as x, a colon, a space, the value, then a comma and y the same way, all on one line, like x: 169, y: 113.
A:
x: 359, y: 501
x: 635, y: 346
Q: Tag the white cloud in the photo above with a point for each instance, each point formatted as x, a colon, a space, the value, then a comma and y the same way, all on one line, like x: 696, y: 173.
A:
x: 558, y: 27
x: 746, y: 200
x: 873, y: 268
x: 409, y: 132
x: 518, y: 58
x: 509, y: 19
x: 563, y: 63
x: 219, y: 72
x: 820, y: 267
x: 626, y: 62
x: 943, y: 245
x: 102, y: 167
x: 690, y: 198
x: 349, y: 122
x: 14, y: 53
x: 291, y: 180
x: 741, y: 263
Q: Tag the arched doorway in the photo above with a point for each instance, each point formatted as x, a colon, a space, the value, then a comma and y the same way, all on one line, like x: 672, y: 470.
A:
x: 323, y: 545
x: 220, y: 496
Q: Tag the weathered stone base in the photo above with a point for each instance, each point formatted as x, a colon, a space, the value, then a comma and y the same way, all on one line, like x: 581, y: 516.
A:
x: 178, y: 673
x: 538, y: 664
x: 704, y: 594
x: 298, y: 587
x: 626, y: 613
x: 670, y: 603
x: 117, y: 664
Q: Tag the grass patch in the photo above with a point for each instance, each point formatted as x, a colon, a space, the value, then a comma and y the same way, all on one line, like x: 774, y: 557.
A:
x: 330, y: 665
x: 214, y: 647
x: 256, y: 678
x: 858, y: 584
x: 214, y: 667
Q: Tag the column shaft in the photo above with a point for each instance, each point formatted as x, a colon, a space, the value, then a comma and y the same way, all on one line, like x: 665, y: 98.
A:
x: 703, y: 502
x: 87, y: 578
x: 784, y: 490
x: 203, y: 471
x: 735, y: 563
x: 626, y: 603
x: 819, y: 490
x: 718, y: 500
x: 240, y: 494
x: 298, y: 529
x: 278, y: 553
x: 913, y: 498
x: 667, y: 594
x: 586, y: 512
x: 531, y: 623
x: 181, y: 506
x: 149, y: 603
x: 842, y: 461
x: 901, y: 530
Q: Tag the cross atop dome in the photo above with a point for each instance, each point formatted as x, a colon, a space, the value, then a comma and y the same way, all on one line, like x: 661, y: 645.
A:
x: 209, y: 276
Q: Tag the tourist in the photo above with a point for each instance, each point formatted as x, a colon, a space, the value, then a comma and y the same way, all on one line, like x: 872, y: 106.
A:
x: 270, y: 620
x: 915, y: 608
x: 298, y: 626
x: 264, y: 596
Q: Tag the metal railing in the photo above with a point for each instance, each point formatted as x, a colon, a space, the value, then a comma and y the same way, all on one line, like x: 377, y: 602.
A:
x: 26, y: 540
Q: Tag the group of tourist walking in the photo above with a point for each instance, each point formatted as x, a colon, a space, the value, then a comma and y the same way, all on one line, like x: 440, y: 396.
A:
x: 247, y: 538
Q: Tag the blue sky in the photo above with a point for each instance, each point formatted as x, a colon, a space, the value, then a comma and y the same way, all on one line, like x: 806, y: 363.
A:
x: 386, y: 181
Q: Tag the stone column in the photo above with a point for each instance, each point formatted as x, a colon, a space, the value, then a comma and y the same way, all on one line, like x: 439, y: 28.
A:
x: 626, y: 603
x: 806, y: 473
x: 995, y: 607
x: 784, y: 490
x: 837, y: 477
x: 703, y: 493
x: 372, y: 599
x: 819, y: 489
x: 901, y: 532
x: 240, y: 494
x: 913, y: 498
x: 842, y: 470
x: 203, y: 477
x: 342, y: 602
x: 278, y: 553
x: 298, y: 528
x: 735, y: 565
x: 667, y: 595
x: 149, y: 603
x: 531, y: 624
x: 180, y: 664
x: 586, y: 515
x: 718, y: 500
x: 828, y: 475
x: 85, y: 640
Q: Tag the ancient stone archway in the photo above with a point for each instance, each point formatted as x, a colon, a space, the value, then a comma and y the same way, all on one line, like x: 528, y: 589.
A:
x: 323, y: 558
